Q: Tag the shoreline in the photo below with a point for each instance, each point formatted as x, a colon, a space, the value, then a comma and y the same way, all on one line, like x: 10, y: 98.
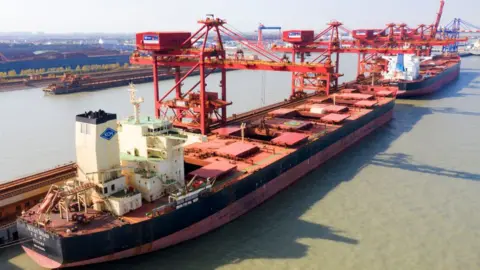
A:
x: 20, y: 85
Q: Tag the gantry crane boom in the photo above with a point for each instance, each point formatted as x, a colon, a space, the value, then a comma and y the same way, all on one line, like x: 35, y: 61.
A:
x: 240, y: 64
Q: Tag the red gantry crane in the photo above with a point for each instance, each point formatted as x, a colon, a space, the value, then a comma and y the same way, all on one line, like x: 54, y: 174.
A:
x: 197, y: 111
x: 328, y: 43
x: 369, y: 44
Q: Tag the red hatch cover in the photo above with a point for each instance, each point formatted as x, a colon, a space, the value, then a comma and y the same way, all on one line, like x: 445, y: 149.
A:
x: 216, y: 169
x: 238, y: 149
x: 282, y: 123
x: 281, y: 112
x: 319, y: 105
x: 308, y: 106
x: 355, y: 96
x: 305, y: 106
x: 384, y: 93
x: 318, y: 99
x: 226, y: 130
x: 336, y: 108
x: 334, y: 118
x: 365, y: 103
x: 290, y: 138
x: 206, y: 145
x: 349, y: 90
x: 294, y: 124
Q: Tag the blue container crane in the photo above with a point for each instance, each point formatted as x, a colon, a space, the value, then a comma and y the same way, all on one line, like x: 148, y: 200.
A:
x: 453, y: 30
x: 262, y: 27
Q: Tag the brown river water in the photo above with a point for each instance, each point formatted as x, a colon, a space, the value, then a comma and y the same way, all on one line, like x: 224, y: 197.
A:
x: 406, y: 197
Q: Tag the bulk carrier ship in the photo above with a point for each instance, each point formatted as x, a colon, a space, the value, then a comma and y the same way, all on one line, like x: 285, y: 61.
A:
x: 417, y: 76
x: 147, y: 183
x: 144, y: 185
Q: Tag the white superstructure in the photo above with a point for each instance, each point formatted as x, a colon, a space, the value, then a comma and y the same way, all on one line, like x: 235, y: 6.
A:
x: 475, y: 48
x: 403, y: 67
x: 139, y: 157
x: 97, y: 150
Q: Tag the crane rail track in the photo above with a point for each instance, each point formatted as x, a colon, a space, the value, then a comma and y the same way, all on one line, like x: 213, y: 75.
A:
x: 37, y: 180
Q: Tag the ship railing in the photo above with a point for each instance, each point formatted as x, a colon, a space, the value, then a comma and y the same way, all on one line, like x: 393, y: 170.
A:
x: 147, y: 174
x: 27, y: 176
x: 154, y: 133
x: 7, y: 225
x: 162, y: 209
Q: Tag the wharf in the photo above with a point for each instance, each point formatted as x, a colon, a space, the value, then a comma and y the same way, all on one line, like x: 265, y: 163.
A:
x: 22, y: 193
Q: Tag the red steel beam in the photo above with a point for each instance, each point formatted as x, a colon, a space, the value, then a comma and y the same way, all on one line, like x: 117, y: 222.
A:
x: 237, y: 64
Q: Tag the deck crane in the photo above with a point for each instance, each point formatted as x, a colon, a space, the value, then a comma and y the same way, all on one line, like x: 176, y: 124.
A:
x: 197, y: 111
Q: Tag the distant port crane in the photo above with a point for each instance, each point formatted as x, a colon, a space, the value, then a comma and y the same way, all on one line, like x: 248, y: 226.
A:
x: 260, y: 29
x: 369, y: 44
x: 453, y: 29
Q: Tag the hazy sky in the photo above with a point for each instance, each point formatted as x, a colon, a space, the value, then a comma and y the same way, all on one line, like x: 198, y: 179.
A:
x: 148, y: 15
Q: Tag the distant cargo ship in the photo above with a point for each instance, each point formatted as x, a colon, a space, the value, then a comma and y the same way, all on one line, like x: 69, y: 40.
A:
x: 474, y: 49
x: 415, y: 76
x: 70, y: 83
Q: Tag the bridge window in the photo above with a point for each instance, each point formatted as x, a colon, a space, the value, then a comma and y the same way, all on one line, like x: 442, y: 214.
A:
x: 84, y: 128
x: 113, y: 187
x: 105, y: 190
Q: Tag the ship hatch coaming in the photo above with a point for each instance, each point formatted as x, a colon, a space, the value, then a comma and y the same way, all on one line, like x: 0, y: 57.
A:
x: 257, y: 133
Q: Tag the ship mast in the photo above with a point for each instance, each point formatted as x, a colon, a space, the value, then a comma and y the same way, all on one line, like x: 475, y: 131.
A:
x: 135, y: 102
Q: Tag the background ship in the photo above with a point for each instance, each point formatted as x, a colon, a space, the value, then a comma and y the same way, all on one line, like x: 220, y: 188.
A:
x: 474, y: 49
x: 71, y: 83
x: 416, y: 76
